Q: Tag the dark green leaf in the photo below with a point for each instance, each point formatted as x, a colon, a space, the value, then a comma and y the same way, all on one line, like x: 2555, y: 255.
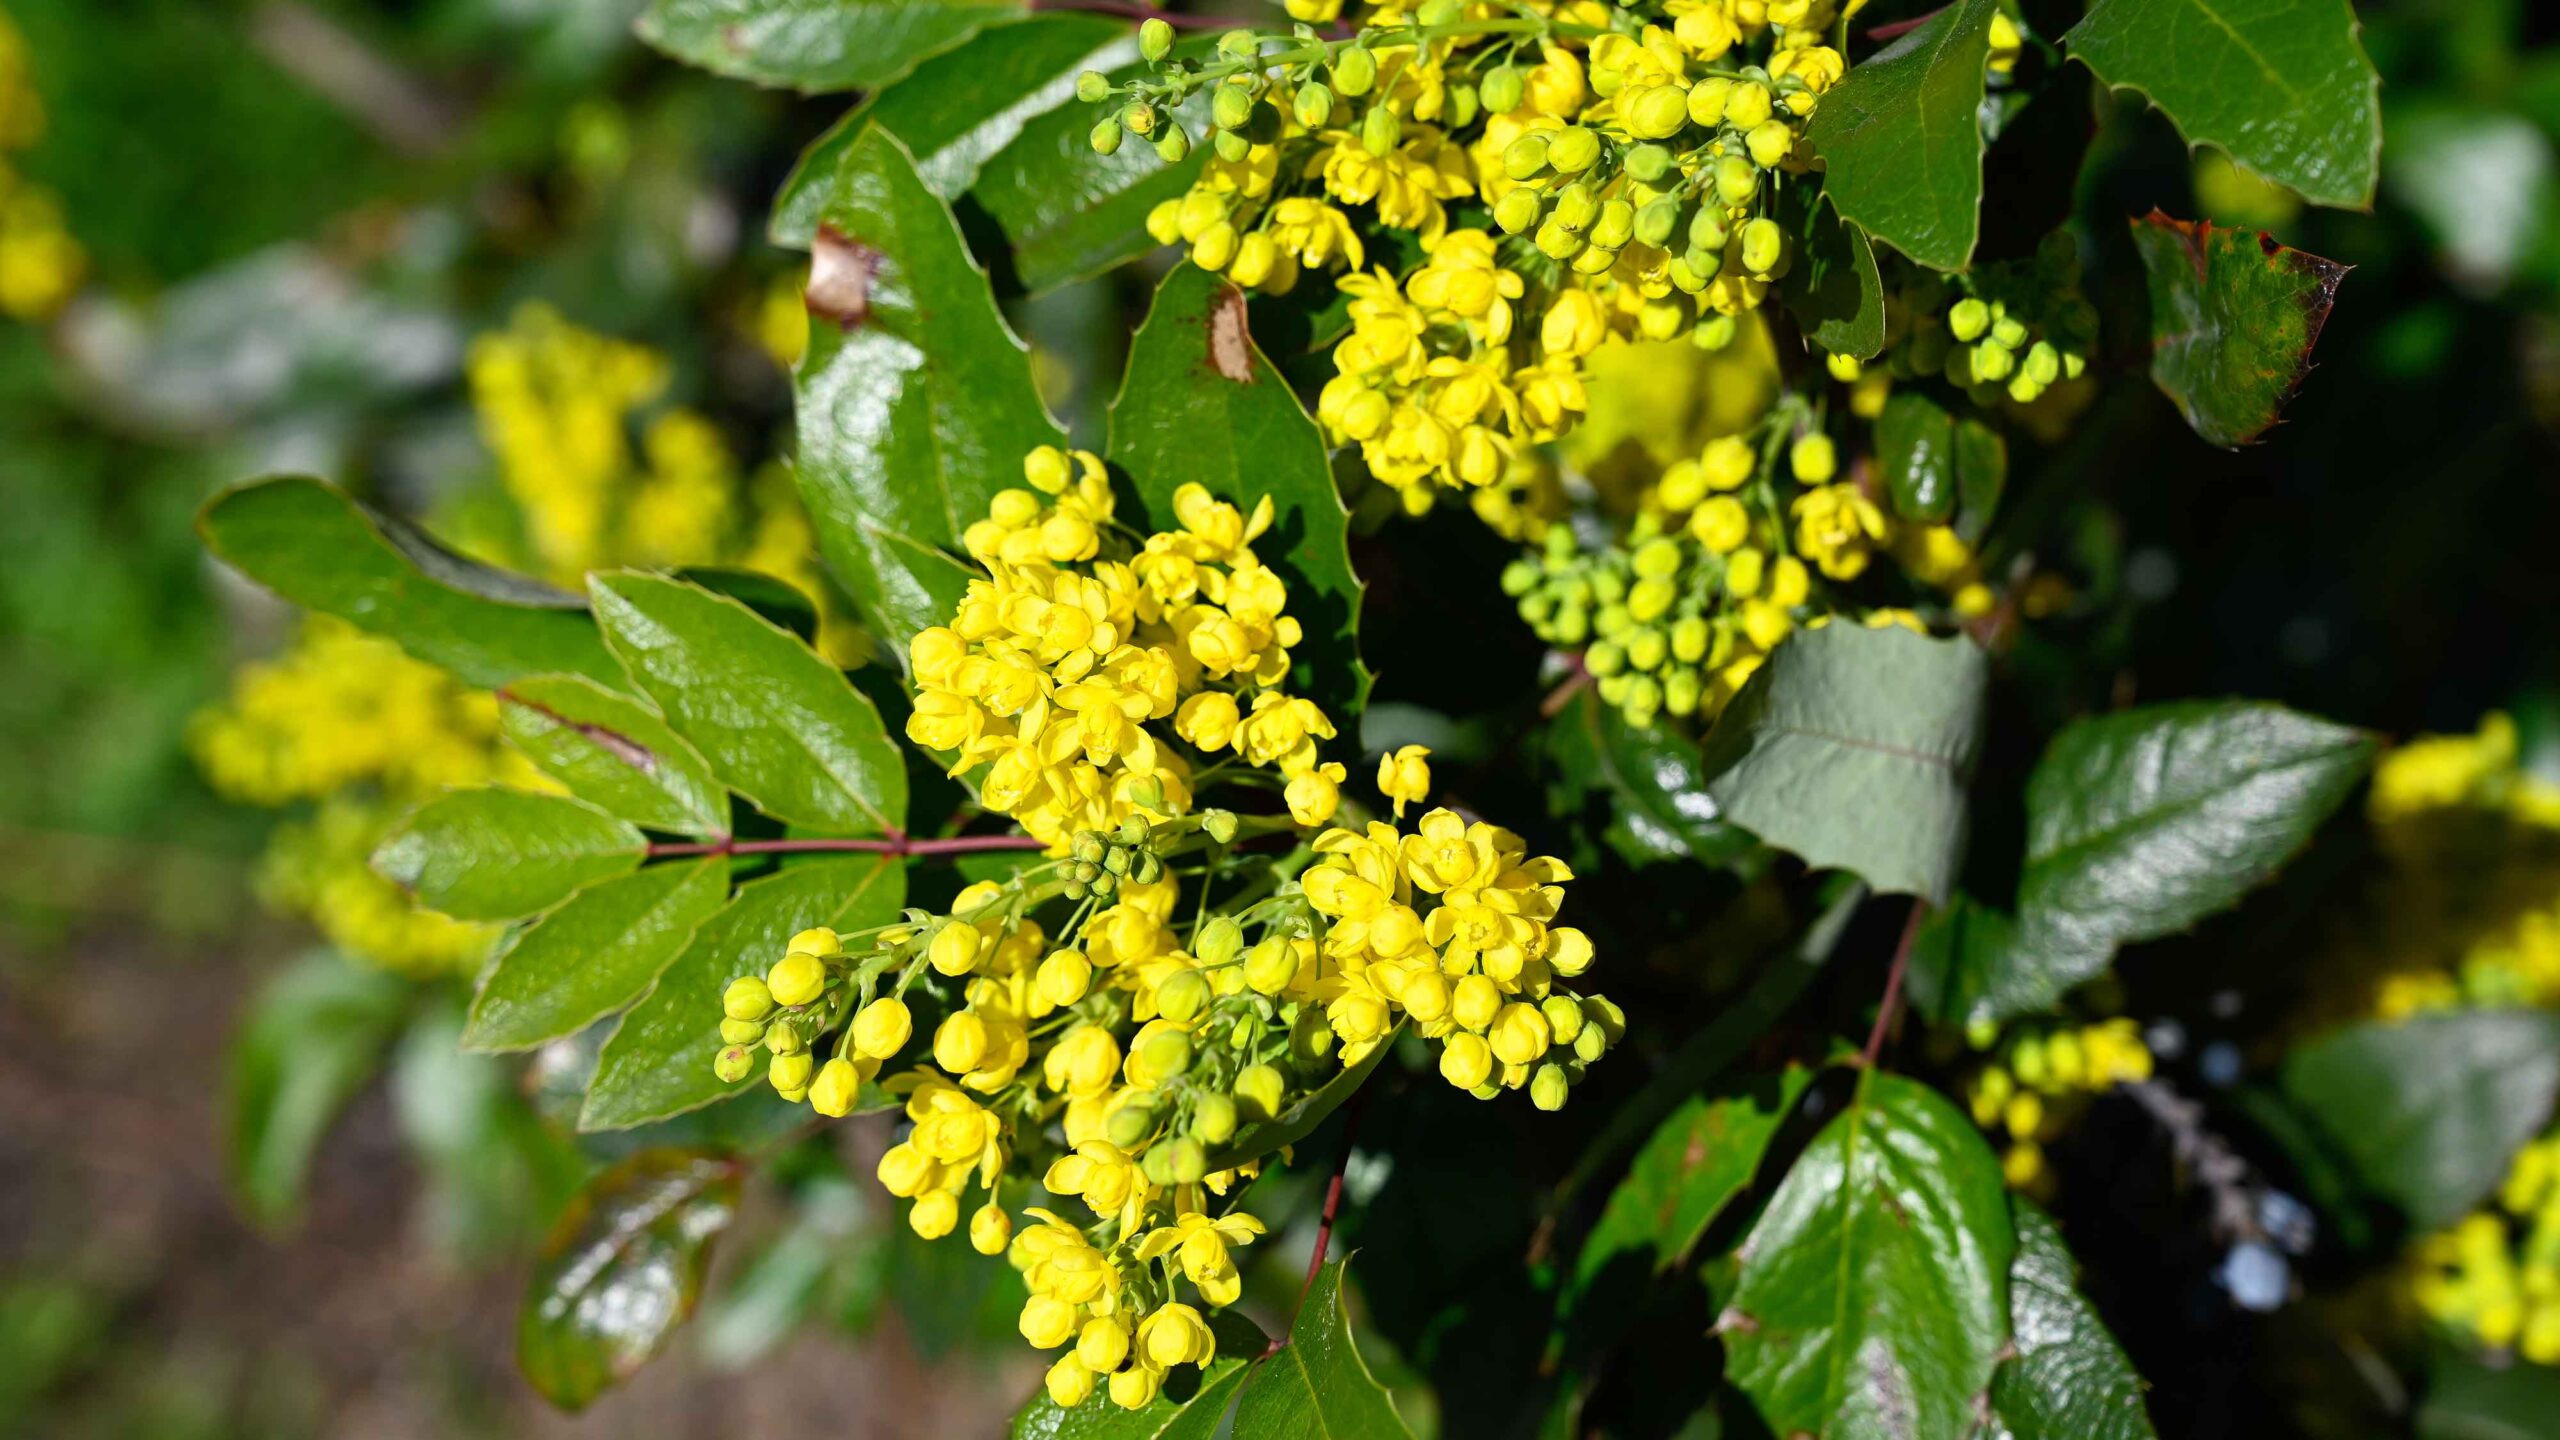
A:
x: 621, y: 1270
x: 1900, y: 142
x: 1845, y: 724
x: 2143, y: 822
x: 1317, y: 1387
x: 612, y: 752
x: 1651, y: 782
x: 1916, y: 445
x: 498, y: 854
x: 916, y: 403
x: 593, y: 955
x: 1833, y: 288
x: 2429, y: 1112
x: 1062, y: 210
x: 1300, y: 1120
x: 1181, y: 1411
x: 1202, y: 405
x: 778, y: 724
x: 314, y: 1036
x: 658, y: 1061
x: 2233, y: 318
x: 2281, y: 85
x: 313, y: 545
x: 2069, y: 1379
x: 1968, y: 963
x: 1873, y: 1299
x: 1686, y: 1174
x: 1982, y: 472
x: 2469, y: 1400
x: 815, y: 45
x: 772, y: 597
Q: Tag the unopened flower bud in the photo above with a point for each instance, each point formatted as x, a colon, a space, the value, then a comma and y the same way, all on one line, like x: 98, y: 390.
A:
x: 1502, y: 90
x: 1260, y: 1090
x: 1183, y: 996
x: 1380, y: 130
x: 747, y: 998
x: 1213, y: 1120
x: 1105, y: 136
x: 1271, y: 965
x: 1155, y: 39
x: 1355, y: 70
x: 1093, y: 87
x: 1314, y: 105
x: 733, y: 1064
x: 1230, y: 107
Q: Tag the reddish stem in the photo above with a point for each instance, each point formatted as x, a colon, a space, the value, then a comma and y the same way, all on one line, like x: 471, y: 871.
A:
x: 1136, y: 11
x: 1563, y: 694
x: 897, y: 844
x: 1892, y: 1002
x: 1899, y: 28
x: 1332, y: 1212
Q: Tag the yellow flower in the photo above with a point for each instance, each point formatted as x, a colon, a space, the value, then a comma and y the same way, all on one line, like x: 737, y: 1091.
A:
x: 1314, y: 794
x: 1404, y: 776
x: 1837, y: 527
x: 1199, y: 1245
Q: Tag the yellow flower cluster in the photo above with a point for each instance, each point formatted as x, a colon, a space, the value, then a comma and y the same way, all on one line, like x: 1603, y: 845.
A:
x: 1065, y: 667
x: 2494, y: 1277
x: 1449, y: 926
x: 1641, y: 166
x: 40, y: 263
x: 2041, y: 1078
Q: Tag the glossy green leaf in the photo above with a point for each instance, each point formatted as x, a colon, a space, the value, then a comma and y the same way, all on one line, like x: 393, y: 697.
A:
x: 2429, y: 1112
x: 1832, y: 287
x: 613, y: 753
x: 1317, y: 1387
x: 657, y: 1063
x: 621, y: 1270
x: 1691, y: 1168
x: 2069, y: 1379
x: 1916, y: 445
x: 2467, y: 1399
x: 778, y: 724
x: 1900, y: 142
x: 1192, y: 1405
x: 1845, y: 724
x: 2139, y: 824
x: 815, y: 45
x: 916, y: 403
x: 317, y: 547
x: 1062, y: 210
x: 1873, y: 1298
x: 497, y: 854
x: 313, y: 1037
x: 1649, y: 782
x: 2233, y: 318
x: 1982, y: 473
x: 593, y: 954
x: 1202, y: 405
x: 2283, y: 86
x: 1301, y: 1119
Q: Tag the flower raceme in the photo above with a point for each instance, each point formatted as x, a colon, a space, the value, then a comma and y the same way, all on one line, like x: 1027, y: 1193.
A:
x: 1116, y: 1018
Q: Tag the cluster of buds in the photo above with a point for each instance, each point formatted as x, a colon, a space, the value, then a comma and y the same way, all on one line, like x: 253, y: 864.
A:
x: 784, y: 1011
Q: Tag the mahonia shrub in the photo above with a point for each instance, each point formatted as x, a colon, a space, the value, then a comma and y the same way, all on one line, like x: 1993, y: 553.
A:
x: 1642, y: 386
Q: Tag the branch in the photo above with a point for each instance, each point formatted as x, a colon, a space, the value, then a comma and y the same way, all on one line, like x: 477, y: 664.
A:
x: 1891, y: 1005
x: 1563, y: 694
x: 896, y: 844
x: 1332, y: 1212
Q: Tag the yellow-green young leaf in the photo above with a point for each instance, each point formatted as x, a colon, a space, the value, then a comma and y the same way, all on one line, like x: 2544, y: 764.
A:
x: 1190, y: 1407
x: 2283, y: 86
x: 2233, y: 318
x: 1832, y: 286
x: 1064, y: 211
x: 1317, y: 1387
x: 1685, y: 1175
x: 2069, y: 1379
x: 2429, y: 1112
x: 312, y: 1039
x: 657, y: 1062
x: 593, y: 954
x: 1873, y: 1298
x: 778, y: 724
x: 915, y: 401
x: 612, y: 752
x: 622, y: 1269
x: 815, y: 45
x: 497, y: 854
x: 1202, y: 405
x: 317, y: 547
x: 1900, y: 142
x: 1842, y: 726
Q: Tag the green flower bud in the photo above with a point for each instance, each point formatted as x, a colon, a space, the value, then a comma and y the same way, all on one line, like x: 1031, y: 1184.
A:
x: 741, y: 1032
x: 1576, y: 207
x: 1380, y: 130
x: 1762, y: 245
x: 791, y: 1072
x: 1213, y: 1120
x: 1573, y: 149
x: 1134, y: 830
x: 1218, y: 825
x: 1259, y: 1091
x: 1130, y: 1125
x: 1355, y: 70
x: 1186, y: 1161
x: 783, y: 1038
x: 1643, y: 700
x: 1968, y: 318
x: 1182, y: 997
x: 1646, y: 647
x: 1087, y: 846
x: 1993, y: 361
x: 1314, y: 105
x: 1230, y: 106
x: 1502, y: 90
x: 746, y: 999
x: 1105, y: 136
x: 1105, y: 884
x: 1116, y: 861
x: 1519, y: 577
x: 1240, y: 45
x: 1737, y: 180
x: 1139, y: 117
x: 1271, y: 965
x: 1093, y: 87
x: 1155, y: 39
x: 1517, y: 210
x: 1707, y: 232
x: 1173, y: 146
x: 2010, y: 334
x: 1681, y: 692
x: 1647, y: 162
x: 1605, y: 658
x: 1231, y: 145
x: 1146, y: 869
x: 2043, y: 363
x: 1523, y: 158
x: 1157, y: 1166
x: 1564, y: 1017
x: 1615, y: 225
x: 1548, y: 1087
x: 1590, y: 1044
x: 1166, y: 1053
x: 1221, y: 940
x: 1658, y: 113
x: 733, y: 1064
x: 1557, y: 242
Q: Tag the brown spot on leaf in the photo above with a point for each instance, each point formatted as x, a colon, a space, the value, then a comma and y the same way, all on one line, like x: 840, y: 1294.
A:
x: 613, y: 742
x: 2267, y: 244
x: 840, y: 269
x: 1230, y: 343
